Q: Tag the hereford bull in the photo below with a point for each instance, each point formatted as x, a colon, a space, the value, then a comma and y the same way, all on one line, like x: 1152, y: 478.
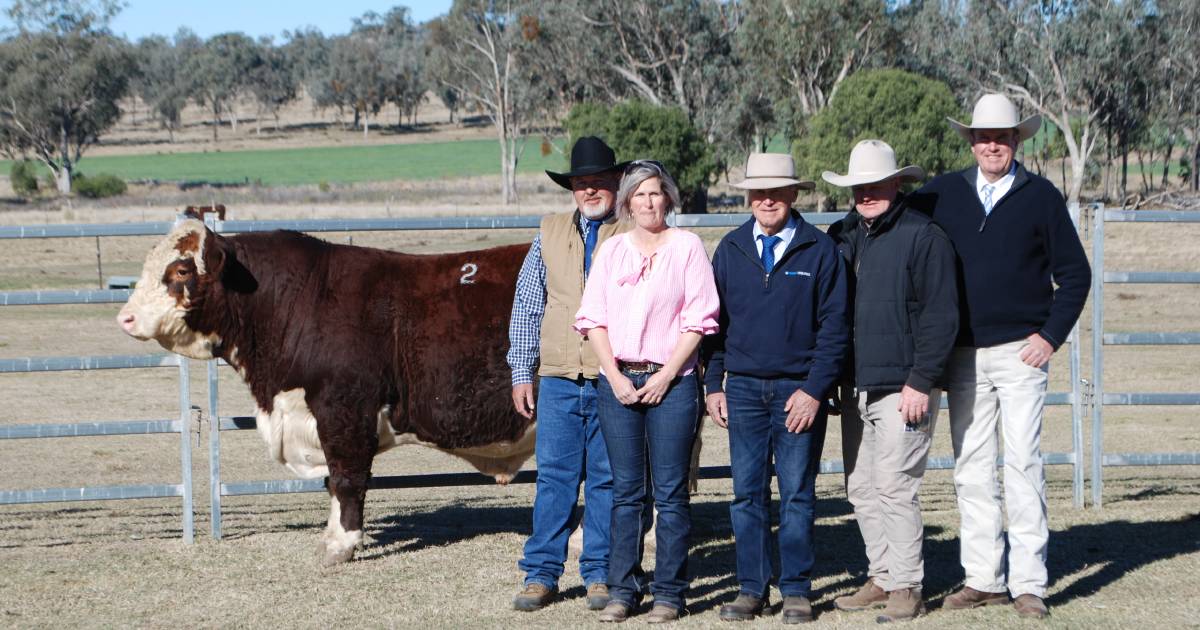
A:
x: 348, y: 351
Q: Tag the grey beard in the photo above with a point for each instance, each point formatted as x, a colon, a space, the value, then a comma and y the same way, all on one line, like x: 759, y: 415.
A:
x: 594, y: 211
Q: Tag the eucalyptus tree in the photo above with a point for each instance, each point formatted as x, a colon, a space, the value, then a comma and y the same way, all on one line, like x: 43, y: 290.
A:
x: 274, y: 81
x: 162, y: 82
x: 220, y: 71
x: 494, y: 55
x: 62, y: 76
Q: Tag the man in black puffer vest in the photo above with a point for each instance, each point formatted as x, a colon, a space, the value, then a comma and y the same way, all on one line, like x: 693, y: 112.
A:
x: 905, y: 320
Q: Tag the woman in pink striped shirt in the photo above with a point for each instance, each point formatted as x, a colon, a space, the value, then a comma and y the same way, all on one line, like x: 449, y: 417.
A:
x: 649, y: 299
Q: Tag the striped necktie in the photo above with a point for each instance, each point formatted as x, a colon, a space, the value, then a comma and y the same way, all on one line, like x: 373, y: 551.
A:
x: 988, y: 189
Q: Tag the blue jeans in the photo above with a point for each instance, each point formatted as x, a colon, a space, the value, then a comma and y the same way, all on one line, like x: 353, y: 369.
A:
x: 757, y: 430
x: 663, y: 435
x: 570, y: 450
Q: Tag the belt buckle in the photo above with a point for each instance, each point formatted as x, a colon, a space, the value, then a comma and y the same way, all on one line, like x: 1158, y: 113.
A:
x: 643, y: 367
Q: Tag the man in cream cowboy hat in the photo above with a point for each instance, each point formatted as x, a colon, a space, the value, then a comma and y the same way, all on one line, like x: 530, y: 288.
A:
x: 1014, y: 241
x: 905, y: 316
x: 781, y: 343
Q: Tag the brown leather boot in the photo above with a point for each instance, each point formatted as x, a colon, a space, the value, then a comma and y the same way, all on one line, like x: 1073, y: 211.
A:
x: 615, y: 612
x: 534, y: 596
x: 597, y: 596
x: 971, y: 598
x: 662, y: 613
x: 868, y: 597
x: 903, y: 604
x: 797, y: 610
x: 1031, y: 606
x: 744, y: 608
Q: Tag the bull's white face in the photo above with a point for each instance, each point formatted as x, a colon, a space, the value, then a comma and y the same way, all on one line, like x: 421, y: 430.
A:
x: 163, y: 294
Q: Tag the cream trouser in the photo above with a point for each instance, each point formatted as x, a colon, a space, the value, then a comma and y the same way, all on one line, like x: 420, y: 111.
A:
x: 885, y: 461
x: 989, y: 388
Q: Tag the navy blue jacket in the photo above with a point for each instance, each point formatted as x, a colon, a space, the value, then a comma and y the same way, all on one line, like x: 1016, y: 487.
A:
x: 1010, y: 260
x: 790, y: 324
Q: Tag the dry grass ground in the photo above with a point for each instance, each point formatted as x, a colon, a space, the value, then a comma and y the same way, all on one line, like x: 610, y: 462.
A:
x: 447, y: 557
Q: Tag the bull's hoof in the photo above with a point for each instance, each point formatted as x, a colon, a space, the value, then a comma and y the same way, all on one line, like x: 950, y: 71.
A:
x: 504, y: 478
x: 333, y: 557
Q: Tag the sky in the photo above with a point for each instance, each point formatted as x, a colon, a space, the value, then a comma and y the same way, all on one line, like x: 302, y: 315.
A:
x: 252, y: 17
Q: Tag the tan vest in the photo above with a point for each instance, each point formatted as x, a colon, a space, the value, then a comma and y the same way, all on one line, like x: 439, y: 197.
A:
x: 564, y: 352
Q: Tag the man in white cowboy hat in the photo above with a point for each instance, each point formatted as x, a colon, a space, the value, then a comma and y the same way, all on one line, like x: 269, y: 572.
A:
x: 905, y: 317
x: 1015, y: 241
x: 570, y: 449
x: 782, y: 341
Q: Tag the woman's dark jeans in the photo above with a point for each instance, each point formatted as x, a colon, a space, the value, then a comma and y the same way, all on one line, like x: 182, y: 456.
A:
x: 663, y: 433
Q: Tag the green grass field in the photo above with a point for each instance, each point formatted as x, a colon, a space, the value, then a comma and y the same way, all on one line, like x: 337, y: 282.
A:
x: 467, y: 158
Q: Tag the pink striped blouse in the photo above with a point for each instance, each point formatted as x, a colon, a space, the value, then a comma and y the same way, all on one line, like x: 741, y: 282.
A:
x: 646, y: 307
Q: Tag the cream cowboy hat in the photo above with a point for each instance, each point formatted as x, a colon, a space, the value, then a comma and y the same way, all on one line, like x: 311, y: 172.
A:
x: 872, y: 161
x: 771, y: 170
x: 995, y: 111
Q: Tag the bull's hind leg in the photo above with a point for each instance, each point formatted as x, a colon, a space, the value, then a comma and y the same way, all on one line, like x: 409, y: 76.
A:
x: 349, y: 447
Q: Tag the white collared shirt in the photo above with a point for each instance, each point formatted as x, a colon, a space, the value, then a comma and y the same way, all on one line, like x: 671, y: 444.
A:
x: 1000, y: 187
x: 785, y: 236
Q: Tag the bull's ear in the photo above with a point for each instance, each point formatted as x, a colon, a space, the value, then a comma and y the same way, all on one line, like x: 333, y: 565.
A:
x: 217, y: 253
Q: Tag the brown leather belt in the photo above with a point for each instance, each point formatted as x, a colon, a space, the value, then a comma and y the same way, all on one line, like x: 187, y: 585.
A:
x: 639, y: 367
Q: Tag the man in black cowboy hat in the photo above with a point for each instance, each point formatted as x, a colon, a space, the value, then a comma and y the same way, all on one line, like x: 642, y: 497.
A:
x: 570, y: 449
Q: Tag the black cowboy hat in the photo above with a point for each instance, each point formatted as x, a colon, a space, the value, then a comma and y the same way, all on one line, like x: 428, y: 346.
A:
x: 589, y: 156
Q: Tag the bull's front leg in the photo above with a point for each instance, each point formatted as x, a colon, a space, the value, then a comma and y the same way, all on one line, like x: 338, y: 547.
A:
x: 349, y: 441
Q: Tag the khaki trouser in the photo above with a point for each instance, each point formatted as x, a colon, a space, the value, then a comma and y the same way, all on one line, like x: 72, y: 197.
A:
x: 989, y: 388
x: 885, y: 461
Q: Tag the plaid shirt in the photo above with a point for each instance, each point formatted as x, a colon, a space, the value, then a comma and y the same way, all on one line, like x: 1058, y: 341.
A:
x: 529, y: 305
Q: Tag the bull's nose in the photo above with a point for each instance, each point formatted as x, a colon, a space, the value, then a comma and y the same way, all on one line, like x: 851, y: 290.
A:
x: 126, y: 321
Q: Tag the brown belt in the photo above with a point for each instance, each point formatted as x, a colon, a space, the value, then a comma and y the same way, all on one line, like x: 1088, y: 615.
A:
x: 639, y: 367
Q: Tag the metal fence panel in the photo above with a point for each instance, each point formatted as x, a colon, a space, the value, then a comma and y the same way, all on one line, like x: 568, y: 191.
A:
x: 1100, y: 459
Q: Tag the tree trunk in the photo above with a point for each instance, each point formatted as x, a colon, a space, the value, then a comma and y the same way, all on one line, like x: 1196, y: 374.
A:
x: 1125, y: 165
x: 62, y: 178
x: 1166, y: 181
x: 216, y: 106
x: 366, y: 125
x: 233, y: 117
x: 1196, y: 166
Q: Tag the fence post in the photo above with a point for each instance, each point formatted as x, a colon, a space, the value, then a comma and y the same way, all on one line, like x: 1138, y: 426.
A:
x: 1098, y: 358
x: 185, y: 449
x: 214, y: 451
x: 1076, y: 398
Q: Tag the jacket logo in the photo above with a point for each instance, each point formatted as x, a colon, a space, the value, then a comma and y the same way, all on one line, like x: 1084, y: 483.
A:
x: 797, y: 273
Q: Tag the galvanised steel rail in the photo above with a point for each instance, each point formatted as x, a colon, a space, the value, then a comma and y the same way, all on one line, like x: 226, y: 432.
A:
x: 500, y: 222
x: 1100, y: 398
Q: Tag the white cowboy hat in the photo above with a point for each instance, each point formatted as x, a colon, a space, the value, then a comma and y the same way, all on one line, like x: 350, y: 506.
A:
x: 995, y: 111
x: 872, y: 161
x: 771, y: 170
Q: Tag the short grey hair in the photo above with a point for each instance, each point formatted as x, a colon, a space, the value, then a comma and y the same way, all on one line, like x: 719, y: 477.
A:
x: 639, y: 171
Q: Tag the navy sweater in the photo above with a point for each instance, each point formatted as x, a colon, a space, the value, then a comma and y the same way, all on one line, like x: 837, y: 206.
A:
x: 1010, y: 260
x: 792, y: 323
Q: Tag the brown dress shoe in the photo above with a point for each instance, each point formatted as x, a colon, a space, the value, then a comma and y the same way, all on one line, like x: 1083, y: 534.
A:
x: 1031, y: 606
x: 597, y: 596
x: 744, y: 608
x: 535, y: 596
x: 867, y: 597
x: 971, y: 598
x: 903, y: 604
x: 797, y: 610
x: 662, y: 613
x: 615, y: 612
